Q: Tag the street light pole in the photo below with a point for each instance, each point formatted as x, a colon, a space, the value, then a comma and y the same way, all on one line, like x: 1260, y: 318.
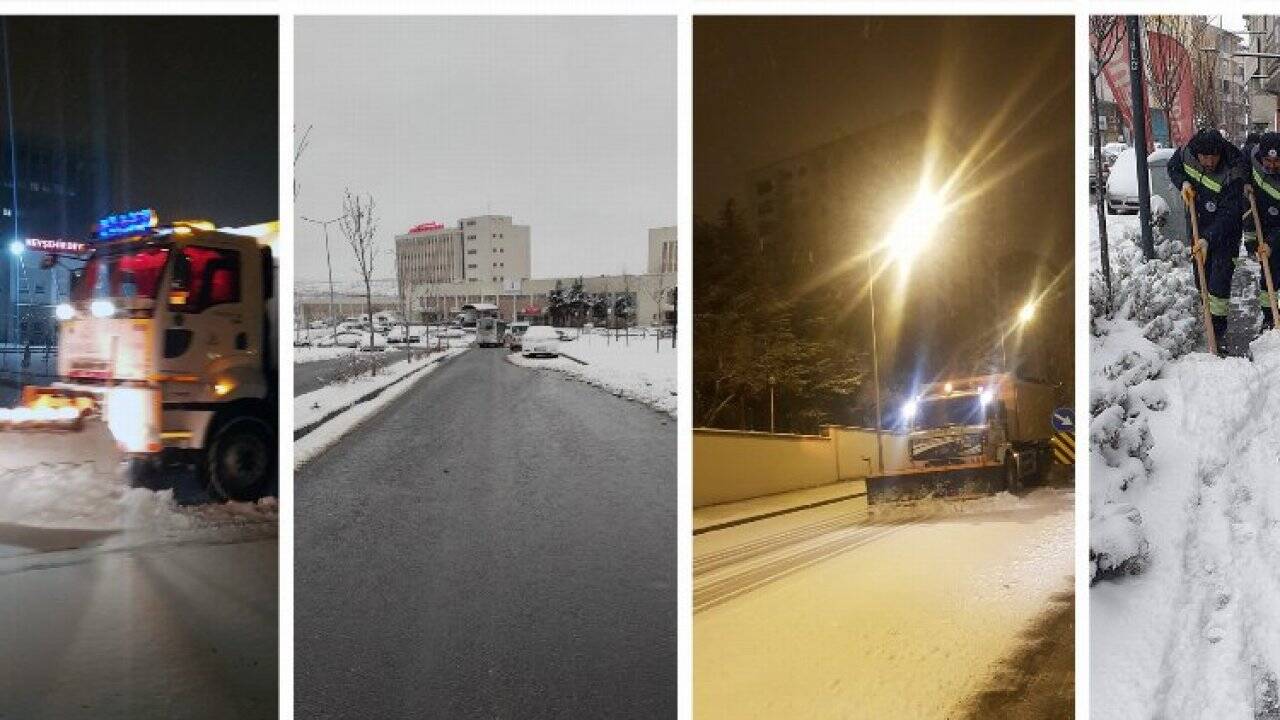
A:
x: 772, y: 380
x: 333, y: 319
x: 875, y: 364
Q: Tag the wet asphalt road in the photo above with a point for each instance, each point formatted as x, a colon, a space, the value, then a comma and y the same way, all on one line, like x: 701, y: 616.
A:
x: 498, y: 542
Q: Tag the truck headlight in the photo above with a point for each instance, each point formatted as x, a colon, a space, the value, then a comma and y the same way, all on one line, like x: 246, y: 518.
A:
x: 102, y: 308
x: 987, y: 396
x: 64, y: 311
x: 909, y: 409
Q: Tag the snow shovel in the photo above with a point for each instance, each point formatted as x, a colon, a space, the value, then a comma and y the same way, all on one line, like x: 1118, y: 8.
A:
x: 1266, y: 266
x: 1204, y: 283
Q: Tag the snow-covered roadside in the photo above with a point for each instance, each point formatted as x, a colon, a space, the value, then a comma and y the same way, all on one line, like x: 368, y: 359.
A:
x: 314, y: 406
x: 897, y: 619
x: 1184, y: 447
x: 304, y: 355
x: 637, y: 369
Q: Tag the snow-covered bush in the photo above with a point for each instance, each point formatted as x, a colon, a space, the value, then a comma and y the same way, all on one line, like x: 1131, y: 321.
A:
x: 1159, y: 294
x: 1155, y: 318
x: 1116, y: 542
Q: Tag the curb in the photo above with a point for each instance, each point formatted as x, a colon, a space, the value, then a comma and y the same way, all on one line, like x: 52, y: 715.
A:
x: 775, y: 513
x: 309, y: 427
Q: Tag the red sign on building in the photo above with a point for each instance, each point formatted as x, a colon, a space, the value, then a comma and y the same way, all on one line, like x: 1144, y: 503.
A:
x: 426, y: 227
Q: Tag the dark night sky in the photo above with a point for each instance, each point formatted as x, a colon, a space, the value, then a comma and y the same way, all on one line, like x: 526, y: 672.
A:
x: 766, y: 88
x: 179, y: 113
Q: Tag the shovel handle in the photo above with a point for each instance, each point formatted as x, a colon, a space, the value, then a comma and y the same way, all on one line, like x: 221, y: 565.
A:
x: 1204, y: 283
x: 1266, y: 266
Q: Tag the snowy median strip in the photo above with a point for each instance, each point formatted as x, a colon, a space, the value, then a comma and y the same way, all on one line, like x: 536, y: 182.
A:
x: 322, y: 417
x: 638, y: 370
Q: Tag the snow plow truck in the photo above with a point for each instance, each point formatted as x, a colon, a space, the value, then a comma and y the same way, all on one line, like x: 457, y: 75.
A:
x: 969, y: 437
x: 165, y: 356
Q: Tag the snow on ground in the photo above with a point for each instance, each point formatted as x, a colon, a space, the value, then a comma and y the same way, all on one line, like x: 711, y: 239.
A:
x: 313, y: 406
x: 1184, y: 452
x: 637, y: 368
x: 822, y: 614
x: 304, y: 355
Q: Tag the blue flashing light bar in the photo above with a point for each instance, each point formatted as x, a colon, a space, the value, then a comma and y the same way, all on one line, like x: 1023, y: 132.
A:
x: 125, y: 224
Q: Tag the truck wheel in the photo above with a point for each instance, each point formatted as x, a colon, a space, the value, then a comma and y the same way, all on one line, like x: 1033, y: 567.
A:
x: 145, y: 473
x: 1011, y: 481
x: 241, y: 461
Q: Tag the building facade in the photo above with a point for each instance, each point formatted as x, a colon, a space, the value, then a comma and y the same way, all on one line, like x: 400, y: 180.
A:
x: 476, y: 251
x: 495, y: 269
x: 662, y: 250
x: 1263, y: 72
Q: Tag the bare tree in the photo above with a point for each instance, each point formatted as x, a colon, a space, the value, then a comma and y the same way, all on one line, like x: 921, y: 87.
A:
x: 1105, y: 39
x: 300, y: 144
x: 360, y: 226
x: 1168, y: 63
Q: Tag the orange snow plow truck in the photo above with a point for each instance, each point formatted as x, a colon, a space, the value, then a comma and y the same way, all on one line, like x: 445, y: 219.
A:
x: 970, y: 436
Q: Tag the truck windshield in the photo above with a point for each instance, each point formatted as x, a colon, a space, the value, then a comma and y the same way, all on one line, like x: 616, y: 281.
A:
x: 131, y: 274
x: 957, y: 410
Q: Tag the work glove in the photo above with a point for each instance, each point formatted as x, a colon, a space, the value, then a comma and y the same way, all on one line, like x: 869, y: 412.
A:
x: 1200, y: 249
x: 1264, y: 251
x: 1188, y: 193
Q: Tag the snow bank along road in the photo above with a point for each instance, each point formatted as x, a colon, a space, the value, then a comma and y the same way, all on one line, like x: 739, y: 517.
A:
x: 830, y: 613
x: 1197, y: 635
x: 495, y: 543
x: 118, y: 603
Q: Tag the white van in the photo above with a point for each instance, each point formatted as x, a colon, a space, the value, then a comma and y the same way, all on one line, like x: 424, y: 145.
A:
x: 490, y: 331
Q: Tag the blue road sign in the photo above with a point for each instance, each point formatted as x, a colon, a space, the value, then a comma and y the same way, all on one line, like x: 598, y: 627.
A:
x: 1064, y: 419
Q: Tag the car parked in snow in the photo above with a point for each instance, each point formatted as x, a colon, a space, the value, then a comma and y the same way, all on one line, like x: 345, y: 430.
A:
x: 1122, y: 181
x: 540, y: 341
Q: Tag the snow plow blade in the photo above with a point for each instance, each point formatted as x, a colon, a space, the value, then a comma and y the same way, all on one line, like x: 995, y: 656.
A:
x: 949, y: 482
x: 52, y: 427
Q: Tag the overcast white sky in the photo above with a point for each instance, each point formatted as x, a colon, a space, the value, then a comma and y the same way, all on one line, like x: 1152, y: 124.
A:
x: 568, y: 124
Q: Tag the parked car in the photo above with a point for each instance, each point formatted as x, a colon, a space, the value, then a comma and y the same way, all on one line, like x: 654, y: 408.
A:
x: 399, y: 335
x: 540, y: 341
x: 1122, y: 181
x: 348, y: 339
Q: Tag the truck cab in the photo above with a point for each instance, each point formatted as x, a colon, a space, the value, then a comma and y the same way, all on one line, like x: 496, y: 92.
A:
x: 170, y: 333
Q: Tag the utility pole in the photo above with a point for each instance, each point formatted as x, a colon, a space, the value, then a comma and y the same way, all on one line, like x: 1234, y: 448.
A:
x: 1138, y: 94
x: 333, y: 319
x: 1100, y: 188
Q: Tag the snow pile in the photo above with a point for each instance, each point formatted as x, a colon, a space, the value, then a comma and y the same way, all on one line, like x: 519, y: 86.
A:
x: 943, y: 507
x: 639, y: 369
x: 304, y: 355
x: 79, y: 496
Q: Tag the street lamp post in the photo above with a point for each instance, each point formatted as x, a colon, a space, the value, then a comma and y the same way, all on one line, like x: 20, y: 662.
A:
x: 911, y: 230
x: 875, y: 365
x: 333, y: 319
x: 16, y: 249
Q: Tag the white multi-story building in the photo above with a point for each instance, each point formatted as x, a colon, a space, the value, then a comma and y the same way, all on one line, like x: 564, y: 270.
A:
x: 477, y: 251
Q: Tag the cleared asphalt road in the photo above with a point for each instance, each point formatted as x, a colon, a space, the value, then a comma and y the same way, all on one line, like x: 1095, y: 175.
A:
x: 498, y: 542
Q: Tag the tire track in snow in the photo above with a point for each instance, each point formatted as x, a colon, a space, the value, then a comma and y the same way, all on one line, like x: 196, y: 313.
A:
x: 717, y: 591
x: 1213, y: 666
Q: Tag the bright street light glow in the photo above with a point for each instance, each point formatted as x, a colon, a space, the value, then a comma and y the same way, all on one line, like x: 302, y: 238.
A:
x: 64, y: 311
x: 16, y: 247
x: 909, y: 409
x: 987, y: 396
x: 914, y: 227
x: 1027, y: 312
